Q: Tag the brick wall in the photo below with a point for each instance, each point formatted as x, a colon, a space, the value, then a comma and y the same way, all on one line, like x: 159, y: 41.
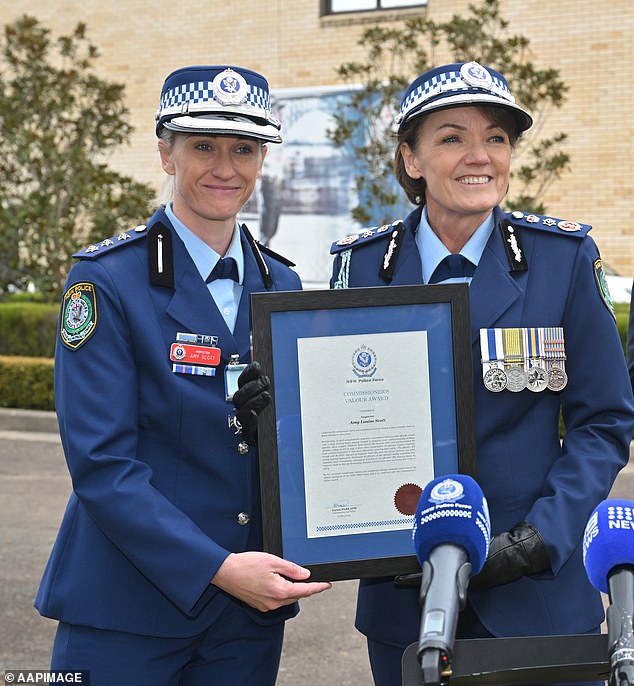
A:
x: 589, y: 42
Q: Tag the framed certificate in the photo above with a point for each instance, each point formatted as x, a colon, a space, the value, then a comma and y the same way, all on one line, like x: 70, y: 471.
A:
x: 372, y: 398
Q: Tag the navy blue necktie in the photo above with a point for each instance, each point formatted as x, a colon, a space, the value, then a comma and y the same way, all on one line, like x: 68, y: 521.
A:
x: 452, y: 266
x: 226, y: 268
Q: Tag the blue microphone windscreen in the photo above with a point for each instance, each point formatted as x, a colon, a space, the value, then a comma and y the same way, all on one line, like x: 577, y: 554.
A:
x: 453, y: 509
x: 608, y: 540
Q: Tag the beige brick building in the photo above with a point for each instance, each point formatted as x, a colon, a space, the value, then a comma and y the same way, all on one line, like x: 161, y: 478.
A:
x: 590, y: 43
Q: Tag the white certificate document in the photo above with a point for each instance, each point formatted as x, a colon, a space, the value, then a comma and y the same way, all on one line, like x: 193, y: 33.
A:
x: 366, y: 430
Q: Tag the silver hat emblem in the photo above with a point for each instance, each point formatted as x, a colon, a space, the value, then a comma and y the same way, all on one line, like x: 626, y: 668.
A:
x: 230, y: 88
x: 476, y: 75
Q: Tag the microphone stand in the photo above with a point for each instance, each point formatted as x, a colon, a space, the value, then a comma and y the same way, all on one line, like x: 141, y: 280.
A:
x: 442, y: 596
x: 620, y: 632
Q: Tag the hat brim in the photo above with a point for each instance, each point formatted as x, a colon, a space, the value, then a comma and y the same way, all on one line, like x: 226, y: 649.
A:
x: 523, y: 118
x: 226, y: 125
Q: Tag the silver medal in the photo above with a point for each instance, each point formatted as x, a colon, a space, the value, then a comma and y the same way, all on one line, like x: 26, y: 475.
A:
x: 516, y: 379
x: 537, y: 379
x: 495, y: 379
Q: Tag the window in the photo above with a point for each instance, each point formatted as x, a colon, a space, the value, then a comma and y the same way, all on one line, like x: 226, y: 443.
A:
x: 339, y: 6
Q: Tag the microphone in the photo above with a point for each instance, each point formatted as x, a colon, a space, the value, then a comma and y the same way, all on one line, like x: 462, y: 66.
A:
x: 608, y: 557
x: 451, y: 537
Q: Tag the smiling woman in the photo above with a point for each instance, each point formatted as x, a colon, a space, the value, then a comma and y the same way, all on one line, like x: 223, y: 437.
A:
x: 463, y: 157
x: 214, y: 177
x: 544, y: 345
x: 158, y: 575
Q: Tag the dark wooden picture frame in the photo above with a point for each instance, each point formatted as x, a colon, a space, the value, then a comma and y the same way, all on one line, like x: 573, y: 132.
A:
x: 279, y: 320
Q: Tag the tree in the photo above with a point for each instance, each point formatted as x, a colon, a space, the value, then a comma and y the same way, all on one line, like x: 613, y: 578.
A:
x: 58, y: 122
x: 395, y: 56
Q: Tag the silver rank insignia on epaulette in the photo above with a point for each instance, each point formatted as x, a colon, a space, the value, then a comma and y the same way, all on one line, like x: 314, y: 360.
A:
x: 347, y: 240
x: 549, y: 224
x: 104, y: 246
x: 362, y: 237
x: 345, y: 246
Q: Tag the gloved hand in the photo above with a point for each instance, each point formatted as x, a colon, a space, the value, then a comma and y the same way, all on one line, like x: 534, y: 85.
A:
x: 512, y: 555
x: 250, y: 399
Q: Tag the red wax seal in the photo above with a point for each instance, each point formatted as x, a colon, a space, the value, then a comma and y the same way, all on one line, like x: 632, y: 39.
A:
x: 406, y: 498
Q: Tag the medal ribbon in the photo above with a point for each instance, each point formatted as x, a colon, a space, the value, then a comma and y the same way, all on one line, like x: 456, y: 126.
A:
x: 554, y: 347
x: 533, y: 338
x: 490, y: 343
x: 492, y: 370
x: 513, y: 347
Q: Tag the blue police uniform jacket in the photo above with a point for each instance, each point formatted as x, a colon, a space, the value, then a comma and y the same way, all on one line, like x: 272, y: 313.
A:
x: 524, y: 470
x: 158, y: 482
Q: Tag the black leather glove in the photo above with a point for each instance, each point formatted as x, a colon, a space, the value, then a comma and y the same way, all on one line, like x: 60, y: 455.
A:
x: 250, y: 399
x: 512, y: 555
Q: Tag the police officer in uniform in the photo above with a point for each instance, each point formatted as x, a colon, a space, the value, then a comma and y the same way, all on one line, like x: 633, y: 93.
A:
x: 157, y: 575
x: 544, y: 342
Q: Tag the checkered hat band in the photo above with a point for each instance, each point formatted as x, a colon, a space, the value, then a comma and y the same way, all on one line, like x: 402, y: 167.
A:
x: 203, y: 92
x: 450, y: 81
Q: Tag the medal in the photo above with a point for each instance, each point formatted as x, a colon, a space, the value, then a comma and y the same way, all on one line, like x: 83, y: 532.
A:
x: 493, y: 375
x: 557, y: 379
x: 537, y: 377
x: 555, y: 354
x: 495, y: 379
x: 516, y: 378
x: 232, y: 372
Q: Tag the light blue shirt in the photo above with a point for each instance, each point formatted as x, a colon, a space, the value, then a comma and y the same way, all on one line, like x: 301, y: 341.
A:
x: 432, y: 250
x: 225, y: 292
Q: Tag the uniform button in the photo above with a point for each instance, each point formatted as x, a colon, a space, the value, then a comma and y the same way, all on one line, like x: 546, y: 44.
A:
x: 243, y: 447
x: 243, y: 518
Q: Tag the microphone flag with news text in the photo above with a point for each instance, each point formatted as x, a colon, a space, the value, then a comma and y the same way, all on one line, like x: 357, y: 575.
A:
x: 608, y: 557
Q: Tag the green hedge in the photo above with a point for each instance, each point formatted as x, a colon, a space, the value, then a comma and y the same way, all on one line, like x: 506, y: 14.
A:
x: 28, y: 329
x: 27, y: 343
x: 26, y: 382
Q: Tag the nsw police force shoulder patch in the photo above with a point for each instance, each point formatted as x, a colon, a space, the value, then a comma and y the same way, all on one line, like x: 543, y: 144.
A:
x: 79, y: 314
x: 602, y: 283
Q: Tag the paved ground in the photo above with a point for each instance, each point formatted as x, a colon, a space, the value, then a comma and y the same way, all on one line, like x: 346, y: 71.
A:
x: 321, y: 644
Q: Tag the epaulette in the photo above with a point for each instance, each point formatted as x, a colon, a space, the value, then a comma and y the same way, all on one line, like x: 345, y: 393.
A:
x: 546, y: 223
x: 124, y: 238
x: 362, y: 237
x: 276, y: 256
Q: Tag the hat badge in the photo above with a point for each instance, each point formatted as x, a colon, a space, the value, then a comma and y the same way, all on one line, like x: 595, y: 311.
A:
x: 476, y: 75
x: 229, y: 88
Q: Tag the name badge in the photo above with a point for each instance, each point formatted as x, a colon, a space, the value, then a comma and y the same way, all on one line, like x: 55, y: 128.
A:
x: 195, y: 354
